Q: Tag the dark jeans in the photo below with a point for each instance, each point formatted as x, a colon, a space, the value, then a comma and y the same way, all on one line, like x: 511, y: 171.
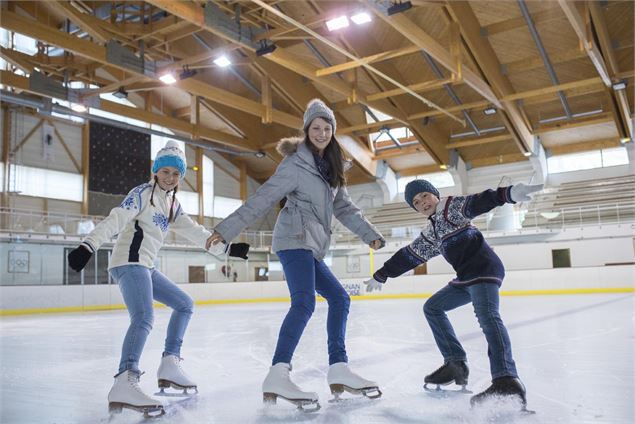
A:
x: 484, y: 297
x: 305, y: 275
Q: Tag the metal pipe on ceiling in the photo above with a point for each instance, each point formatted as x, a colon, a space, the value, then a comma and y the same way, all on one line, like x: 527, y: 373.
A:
x: 543, y: 55
x: 437, y: 72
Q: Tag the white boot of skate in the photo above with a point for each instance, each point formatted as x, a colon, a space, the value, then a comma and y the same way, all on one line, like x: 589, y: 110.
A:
x: 340, y: 378
x: 278, y: 384
x: 126, y: 393
x: 171, y: 374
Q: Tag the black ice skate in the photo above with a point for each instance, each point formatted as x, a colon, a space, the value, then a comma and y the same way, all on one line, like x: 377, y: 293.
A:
x: 451, y: 371
x: 503, y: 387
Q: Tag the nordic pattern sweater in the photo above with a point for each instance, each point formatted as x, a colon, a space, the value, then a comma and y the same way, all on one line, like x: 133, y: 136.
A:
x: 450, y: 233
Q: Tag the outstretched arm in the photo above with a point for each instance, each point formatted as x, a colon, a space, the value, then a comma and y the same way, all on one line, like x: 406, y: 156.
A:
x: 418, y: 252
x: 283, y: 182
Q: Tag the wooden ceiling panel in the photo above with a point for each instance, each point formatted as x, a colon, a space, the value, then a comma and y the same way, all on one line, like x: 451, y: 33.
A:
x: 410, y: 161
x: 578, y: 135
x: 488, y: 150
x: 490, y: 12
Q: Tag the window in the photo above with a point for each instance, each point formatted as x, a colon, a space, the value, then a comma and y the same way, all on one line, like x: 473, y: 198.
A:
x: 208, y: 186
x: 188, y: 201
x: 587, y: 160
x: 397, y: 133
x: 437, y: 179
x: 561, y: 258
x: 224, y: 206
x: 40, y: 182
x: 24, y: 44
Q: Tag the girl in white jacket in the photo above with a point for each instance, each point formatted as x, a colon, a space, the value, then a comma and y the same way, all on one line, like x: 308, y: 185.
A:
x: 141, y: 222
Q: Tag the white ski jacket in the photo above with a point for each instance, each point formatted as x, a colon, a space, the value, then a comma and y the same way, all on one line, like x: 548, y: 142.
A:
x: 142, y: 227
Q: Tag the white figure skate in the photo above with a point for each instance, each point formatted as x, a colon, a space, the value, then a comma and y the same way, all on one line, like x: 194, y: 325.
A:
x: 171, y: 374
x: 278, y: 384
x: 126, y: 393
x: 341, y: 378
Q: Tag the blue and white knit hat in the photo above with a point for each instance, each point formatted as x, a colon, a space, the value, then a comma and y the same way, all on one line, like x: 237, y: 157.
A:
x: 415, y: 187
x: 318, y: 109
x: 170, y: 155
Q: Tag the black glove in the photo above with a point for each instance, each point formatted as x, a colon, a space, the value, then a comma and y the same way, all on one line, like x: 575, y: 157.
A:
x: 78, y: 258
x: 239, y: 250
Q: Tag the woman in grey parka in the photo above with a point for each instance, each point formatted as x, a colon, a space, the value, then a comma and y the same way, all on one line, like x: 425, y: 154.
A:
x: 311, y: 177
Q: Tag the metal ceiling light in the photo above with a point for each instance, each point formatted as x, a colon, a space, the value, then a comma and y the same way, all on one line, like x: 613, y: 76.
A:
x: 490, y: 111
x: 265, y: 48
x: 187, y: 73
x: 120, y: 93
x: 620, y: 85
x: 398, y: 7
x: 167, y: 78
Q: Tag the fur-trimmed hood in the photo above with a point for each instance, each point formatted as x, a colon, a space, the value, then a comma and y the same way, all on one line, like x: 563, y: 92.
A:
x: 289, y: 145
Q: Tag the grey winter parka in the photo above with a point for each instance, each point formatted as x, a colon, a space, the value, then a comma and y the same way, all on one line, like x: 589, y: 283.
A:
x: 305, y: 220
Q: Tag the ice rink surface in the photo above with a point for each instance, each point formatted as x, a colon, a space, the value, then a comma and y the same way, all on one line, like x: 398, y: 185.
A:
x: 573, y: 352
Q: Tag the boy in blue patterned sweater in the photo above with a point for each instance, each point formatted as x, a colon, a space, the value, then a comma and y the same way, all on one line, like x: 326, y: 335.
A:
x: 479, y: 271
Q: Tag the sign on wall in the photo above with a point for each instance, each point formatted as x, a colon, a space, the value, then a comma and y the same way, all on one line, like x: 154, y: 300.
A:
x: 18, y: 261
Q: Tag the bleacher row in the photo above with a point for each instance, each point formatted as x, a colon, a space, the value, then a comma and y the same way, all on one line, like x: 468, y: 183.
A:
x: 603, y: 201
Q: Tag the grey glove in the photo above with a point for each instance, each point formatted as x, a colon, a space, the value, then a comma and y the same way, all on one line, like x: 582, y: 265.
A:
x: 520, y: 192
x: 372, y: 284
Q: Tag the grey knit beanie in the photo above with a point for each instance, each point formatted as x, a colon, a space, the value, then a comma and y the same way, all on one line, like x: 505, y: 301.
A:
x: 415, y: 187
x: 317, y: 109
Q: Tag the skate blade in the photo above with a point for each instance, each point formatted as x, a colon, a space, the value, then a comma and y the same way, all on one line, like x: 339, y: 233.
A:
x: 166, y: 384
x: 304, y: 405
x: 149, y: 411
x: 369, y: 392
x: 438, y: 389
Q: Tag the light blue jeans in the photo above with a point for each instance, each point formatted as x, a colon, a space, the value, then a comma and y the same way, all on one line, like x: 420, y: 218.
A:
x: 485, y: 299
x: 139, y: 286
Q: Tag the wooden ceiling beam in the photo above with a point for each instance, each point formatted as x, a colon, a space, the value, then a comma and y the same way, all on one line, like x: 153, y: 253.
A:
x: 584, y: 146
x: 462, y: 12
x: 281, y: 56
x: 496, y: 160
x: 420, y: 38
x: 600, y: 118
x: 378, y: 57
x: 579, y: 24
x: 14, y: 22
x: 84, y: 21
x: 619, y: 99
x: 478, y: 141
x: 397, y: 152
x: 174, y: 124
x: 519, y: 22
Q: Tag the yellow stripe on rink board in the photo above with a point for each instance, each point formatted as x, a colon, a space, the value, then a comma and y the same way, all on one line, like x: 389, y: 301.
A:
x: 606, y: 290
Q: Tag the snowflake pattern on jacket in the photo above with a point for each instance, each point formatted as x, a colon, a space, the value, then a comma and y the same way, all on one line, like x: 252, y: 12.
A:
x: 133, y: 200
x: 450, y: 233
x: 160, y: 221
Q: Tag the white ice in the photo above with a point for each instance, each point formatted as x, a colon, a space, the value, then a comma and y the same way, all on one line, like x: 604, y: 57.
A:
x: 574, y: 353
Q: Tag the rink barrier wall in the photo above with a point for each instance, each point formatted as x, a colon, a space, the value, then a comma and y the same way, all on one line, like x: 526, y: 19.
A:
x: 23, y: 300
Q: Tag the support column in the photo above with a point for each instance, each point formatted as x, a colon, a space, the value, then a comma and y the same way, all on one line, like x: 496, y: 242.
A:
x: 85, y: 165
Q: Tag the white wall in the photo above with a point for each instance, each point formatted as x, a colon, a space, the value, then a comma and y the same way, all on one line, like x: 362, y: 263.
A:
x: 22, y: 298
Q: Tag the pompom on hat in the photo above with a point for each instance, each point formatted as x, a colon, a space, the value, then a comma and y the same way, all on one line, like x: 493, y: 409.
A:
x: 318, y: 109
x: 415, y: 187
x: 170, y: 155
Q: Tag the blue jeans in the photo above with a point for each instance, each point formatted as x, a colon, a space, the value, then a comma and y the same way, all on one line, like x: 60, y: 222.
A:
x: 484, y: 297
x: 139, y: 285
x: 305, y: 275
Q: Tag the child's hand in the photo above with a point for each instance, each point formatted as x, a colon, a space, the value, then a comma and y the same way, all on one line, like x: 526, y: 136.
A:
x: 520, y: 192
x: 377, y: 244
x: 78, y: 258
x: 372, y: 284
x: 214, y: 239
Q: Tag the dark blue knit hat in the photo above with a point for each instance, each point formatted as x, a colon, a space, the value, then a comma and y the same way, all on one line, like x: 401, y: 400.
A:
x: 415, y: 187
